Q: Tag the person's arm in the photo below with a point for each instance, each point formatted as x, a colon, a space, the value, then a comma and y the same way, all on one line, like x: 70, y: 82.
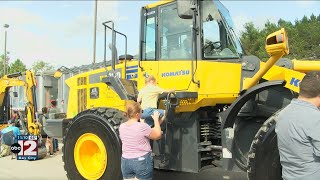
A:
x: 43, y: 121
x: 168, y: 90
x: 316, y: 147
x: 161, y: 90
x: 156, y: 130
x: 315, y: 138
x: 139, y: 99
x: 141, y: 92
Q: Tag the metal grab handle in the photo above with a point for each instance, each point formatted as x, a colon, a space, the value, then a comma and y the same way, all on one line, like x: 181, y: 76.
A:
x: 114, y: 44
x: 174, y: 97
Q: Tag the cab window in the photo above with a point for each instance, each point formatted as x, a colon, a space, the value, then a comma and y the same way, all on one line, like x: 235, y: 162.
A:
x: 175, y: 35
x: 216, y: 42
x: 149, y: 46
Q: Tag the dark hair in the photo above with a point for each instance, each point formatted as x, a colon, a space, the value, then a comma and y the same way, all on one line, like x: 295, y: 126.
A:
x: 44, y: 110
x: 133, y: 109
x: 54, y: 103
x: 17, y: 124
x: 310, y: 85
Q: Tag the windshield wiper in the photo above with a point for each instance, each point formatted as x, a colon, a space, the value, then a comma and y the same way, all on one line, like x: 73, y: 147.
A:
x: 238, y: 40
x: 233, y: 41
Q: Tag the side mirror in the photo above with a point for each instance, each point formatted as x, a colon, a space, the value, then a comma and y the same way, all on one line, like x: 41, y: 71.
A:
x: 184, y: 9
x: 15, y: 94
x: 277, y: 42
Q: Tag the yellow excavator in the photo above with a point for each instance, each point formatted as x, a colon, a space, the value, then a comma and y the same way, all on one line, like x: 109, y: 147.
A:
x: 32, y: 126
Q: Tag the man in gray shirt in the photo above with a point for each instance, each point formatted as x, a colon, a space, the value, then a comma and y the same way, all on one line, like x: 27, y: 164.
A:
x: 54, y: 108
x: 298, y: 132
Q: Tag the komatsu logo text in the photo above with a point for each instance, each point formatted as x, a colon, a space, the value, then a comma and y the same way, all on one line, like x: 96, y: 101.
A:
x: 295, y: 82
x: 175, y: 73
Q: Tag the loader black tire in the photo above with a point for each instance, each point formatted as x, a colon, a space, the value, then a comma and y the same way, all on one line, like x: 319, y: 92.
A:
x: 104, y: 123
x: 263, y: 158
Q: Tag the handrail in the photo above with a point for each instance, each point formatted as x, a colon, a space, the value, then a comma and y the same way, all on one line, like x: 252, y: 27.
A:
x: 114, y: 45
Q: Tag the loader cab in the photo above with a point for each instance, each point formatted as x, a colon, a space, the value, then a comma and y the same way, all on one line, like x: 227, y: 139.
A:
x: 6, y: 102
x: 167, y: 36
x: 4, y: 108
x: 175, y: 47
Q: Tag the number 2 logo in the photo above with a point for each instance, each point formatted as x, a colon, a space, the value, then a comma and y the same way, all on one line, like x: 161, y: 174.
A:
x: 28, y: 148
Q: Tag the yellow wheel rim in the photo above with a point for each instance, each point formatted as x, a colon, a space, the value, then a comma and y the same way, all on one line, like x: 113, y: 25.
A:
x: 90, y: 156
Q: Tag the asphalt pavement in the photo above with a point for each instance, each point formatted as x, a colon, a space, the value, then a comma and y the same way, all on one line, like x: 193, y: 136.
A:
x: 51, y: 168
x: 208, y: 174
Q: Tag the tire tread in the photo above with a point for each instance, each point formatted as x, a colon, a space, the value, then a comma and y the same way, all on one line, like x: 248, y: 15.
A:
x: 112, y: 116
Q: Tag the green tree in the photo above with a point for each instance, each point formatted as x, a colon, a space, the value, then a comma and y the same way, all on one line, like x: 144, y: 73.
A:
x: 17, y: 66
x: 304, y: 37
x: 1, y: 64
x: 40, y: 66
x: 249, y: 37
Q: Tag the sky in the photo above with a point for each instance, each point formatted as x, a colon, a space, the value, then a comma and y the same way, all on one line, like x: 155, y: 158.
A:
x: 61, y: 32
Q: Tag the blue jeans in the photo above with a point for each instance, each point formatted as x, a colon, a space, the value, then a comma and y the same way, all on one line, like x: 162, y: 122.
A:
x: 55, y: 144
x: 141, y: 168
x: 146, y: 115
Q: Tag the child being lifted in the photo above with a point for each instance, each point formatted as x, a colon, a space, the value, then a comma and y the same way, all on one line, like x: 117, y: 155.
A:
x: 148, y: 97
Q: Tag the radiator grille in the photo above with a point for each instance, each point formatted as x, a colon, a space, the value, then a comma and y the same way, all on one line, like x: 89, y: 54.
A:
x: 82, y: 99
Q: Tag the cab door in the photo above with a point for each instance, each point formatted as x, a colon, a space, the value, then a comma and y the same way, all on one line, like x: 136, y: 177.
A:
x: 148, y: 64
x: 175, y: 48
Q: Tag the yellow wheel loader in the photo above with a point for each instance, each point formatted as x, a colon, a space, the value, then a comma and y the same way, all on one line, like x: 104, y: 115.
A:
x: 222, y: 109
x: 31, y: 126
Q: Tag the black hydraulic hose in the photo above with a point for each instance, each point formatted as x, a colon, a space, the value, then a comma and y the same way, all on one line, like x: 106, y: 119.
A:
x: 34, y: 102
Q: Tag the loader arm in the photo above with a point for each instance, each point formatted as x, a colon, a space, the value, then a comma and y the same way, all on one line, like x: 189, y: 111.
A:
x: 294, y: 75
x: 306, y: 65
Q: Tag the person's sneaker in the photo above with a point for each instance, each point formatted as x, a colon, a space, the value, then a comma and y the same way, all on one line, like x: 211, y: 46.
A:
x: 164, y: 163
x: 51, y: 154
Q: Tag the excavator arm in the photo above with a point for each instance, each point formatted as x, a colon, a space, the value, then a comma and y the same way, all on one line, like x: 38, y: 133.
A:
x: 31, y: 107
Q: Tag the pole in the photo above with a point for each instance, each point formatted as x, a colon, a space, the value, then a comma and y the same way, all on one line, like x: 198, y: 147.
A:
x: 95, y: 31
x: 5, y: 52
x: 5, y: 49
